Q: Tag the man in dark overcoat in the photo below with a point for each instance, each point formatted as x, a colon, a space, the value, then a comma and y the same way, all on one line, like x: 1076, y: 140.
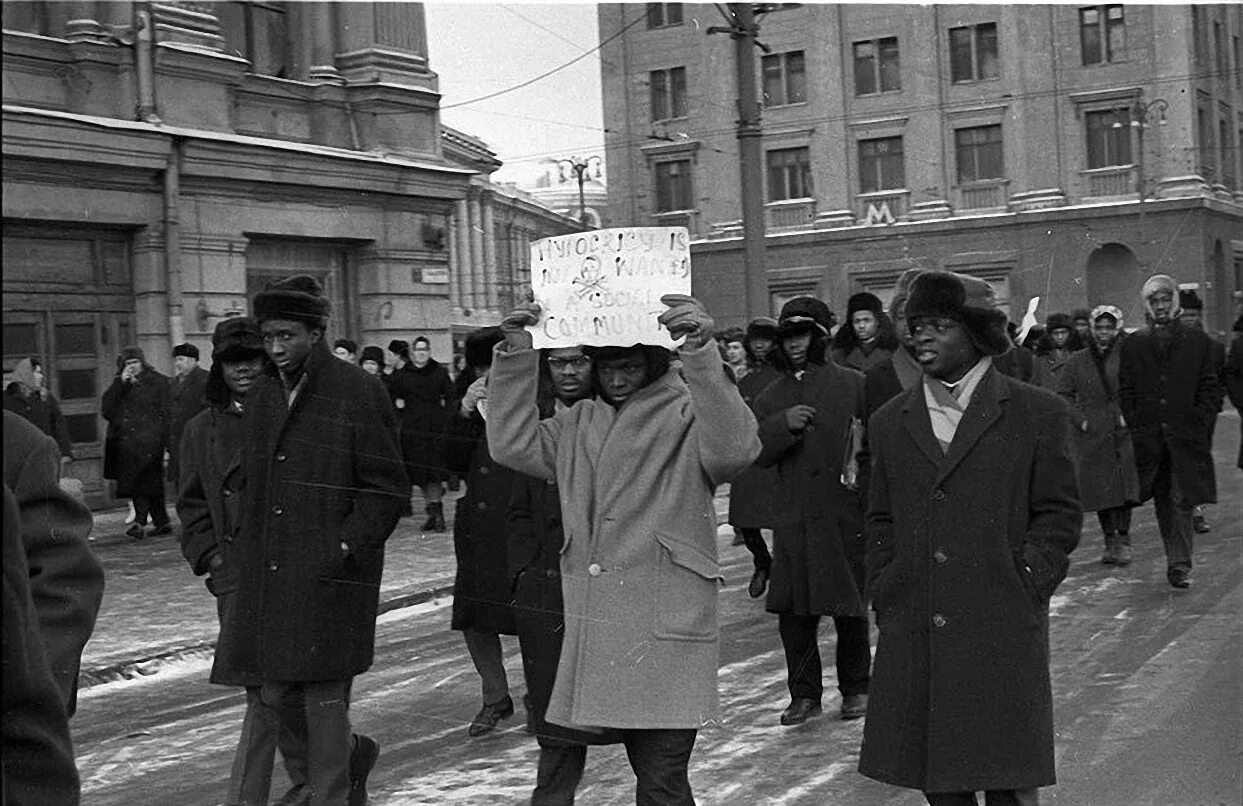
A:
x: 1169, y: 390
x: 536, y: 536
x: 187, y: 396
x: 1233, y: 374
x: 324, y: 487
x: 1191, y: 317
x: 136, y: 408
x: 805, y: 419
x: 972, y: 513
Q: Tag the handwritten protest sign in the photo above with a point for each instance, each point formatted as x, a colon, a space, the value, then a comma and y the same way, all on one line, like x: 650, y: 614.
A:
x: 603, y: 288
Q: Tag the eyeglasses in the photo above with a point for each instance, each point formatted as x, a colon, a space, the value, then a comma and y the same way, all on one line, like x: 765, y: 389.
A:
x: 931, y: 324
x: 562, y: 364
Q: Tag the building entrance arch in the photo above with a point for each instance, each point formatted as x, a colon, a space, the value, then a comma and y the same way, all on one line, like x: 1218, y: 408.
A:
x: 1114, y: 278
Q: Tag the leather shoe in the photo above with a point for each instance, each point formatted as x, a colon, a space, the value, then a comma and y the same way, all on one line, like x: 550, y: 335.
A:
x: 1200, y: 525
x: 758, y: 584
x: 738, y: 539
x: 489, y: 715
x: 136, y: 531
x: 800, y: 710
x: 362, y: 759
x: 1179, y: 577
x: 297, y: 795
x: 854, y: 706
x: 159, y: 531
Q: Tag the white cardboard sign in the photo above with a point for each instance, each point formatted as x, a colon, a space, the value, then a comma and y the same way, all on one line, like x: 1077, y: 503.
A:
x: 603, y: 288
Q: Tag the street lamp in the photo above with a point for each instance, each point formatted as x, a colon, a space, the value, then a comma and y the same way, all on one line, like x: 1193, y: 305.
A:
x: 580, y: 167
x: 1140, y: 116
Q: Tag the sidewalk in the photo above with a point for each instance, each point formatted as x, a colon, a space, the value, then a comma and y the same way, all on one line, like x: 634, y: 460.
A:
x: 155, y: 610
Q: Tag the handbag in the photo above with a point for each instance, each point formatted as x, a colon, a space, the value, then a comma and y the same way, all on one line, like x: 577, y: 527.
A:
x: 850, y: 462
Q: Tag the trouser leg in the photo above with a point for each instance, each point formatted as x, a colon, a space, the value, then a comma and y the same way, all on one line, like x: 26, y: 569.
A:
x: 854, y: 654
x: 560, y: 769
x: 753, y: 539
x: 485, y: 652
x: 156, y: 508
x: 329, y: 741
x: 1012, y: 797
x: 142, y: 509
x: 250, y: 780
x: 803, y: 669
x: 292, y: 740
x: 1173, y: 516
x: 661, y: 763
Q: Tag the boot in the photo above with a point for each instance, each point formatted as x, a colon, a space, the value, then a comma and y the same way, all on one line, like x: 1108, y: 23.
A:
x: 435, y: 518
x: 1122, y: 552
x: 1110, y: 557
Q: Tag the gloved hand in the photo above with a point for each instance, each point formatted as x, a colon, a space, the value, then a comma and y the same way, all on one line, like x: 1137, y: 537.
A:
x: 514, y: 325
x: 686, y: 317
x: 476, y: 393
x: 799, y: 417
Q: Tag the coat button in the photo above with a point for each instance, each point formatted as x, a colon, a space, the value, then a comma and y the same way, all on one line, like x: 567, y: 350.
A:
x: 595, y: 570
x: 272, y: 565
x: 278, y: 510
x: 940, y: 556
x: 281, y: 456
x: 938, y: 494
x: 483, y: 471
x: 939, y: 620
x: 227, y: 492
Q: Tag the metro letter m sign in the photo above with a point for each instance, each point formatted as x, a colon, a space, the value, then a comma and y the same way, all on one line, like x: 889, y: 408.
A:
x: 878, y: 215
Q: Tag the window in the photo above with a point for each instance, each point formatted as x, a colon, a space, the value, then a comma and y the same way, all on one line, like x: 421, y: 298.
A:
x: 1102, y: 34
x: 876, y: 66
x: 258, y: 32
x: 1109, y: 138
x: 1219, y: 51
x: 973, y: 52
x: 979, y: 153
x: 785, y: 79
x: 1225, y: 152
x: 663, y: 15
x: 1204, y: 126
x: 789, y: 174
x: 668, y: 93
x: 673, y: 186
x: 1197, y: 33
x: 880, y: 165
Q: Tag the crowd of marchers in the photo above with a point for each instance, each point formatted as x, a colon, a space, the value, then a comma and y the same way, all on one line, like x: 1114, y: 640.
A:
x: 925, y: 465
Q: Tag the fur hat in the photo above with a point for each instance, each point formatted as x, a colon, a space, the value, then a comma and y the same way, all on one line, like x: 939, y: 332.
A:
x: 188, y: 350
x: 236, y: 339
x: 372, y: 353
x: 1058, y: 320
x: 966, y: 300
x: 299, y: 298
x: 1081, y: 313
x: 401, y: 347
x: 1189, y: 300
x: 1159, y: 282
x: 802, y: 314
x: 129, y: 353
x: 350, y: 345
x: 479, y: 344
x: 863, y: 301
x: 902, y: 290
x: 762, y: 326
x: 1106, y: 310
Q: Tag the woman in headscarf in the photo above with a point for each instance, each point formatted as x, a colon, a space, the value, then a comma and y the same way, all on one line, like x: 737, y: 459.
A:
x: 26, y: 395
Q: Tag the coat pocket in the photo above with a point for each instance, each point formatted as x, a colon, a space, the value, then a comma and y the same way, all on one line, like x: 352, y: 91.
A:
x: 686, y: 589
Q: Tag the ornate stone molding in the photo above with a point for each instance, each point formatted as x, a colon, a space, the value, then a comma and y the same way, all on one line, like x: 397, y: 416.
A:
x: 193, y: 24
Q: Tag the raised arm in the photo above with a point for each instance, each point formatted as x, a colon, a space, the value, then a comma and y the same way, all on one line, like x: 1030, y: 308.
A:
x: 517, y: 438
x: 724, y: 427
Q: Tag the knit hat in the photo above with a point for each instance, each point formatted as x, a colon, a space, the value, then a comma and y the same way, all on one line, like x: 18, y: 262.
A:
x: 479, y: 344
x: 802, y: 314
x: 235, y: 340
x: 188, y: 350
x: 299, y: 298
x: 372, y: 353
x: 1107, y: 310
x: 863, y: 301
x: 966, y: 300
x: 1058, y: 320
x: 1189, y: 300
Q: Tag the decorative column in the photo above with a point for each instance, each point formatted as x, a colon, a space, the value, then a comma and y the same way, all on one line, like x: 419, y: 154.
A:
x: 323, y: 24
x: 384, y: 42
x: 477, y: 282
x: 457, y: 267
x: 81, y: 24
x: 491, y: 278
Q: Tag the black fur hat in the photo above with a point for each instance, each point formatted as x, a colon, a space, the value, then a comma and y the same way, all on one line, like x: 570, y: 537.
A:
x: 802, y: 314
x: 372, y: 353
x: 299, y: 298
x: 964, y: 299
x: 187, y: 349
x: 236, y: 338
x: 1189, y: 300
x: 1058, y: 320
x: 479, y: 344
x: 763, y: 326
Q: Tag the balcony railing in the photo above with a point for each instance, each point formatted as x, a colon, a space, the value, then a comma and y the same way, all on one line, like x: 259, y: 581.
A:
x: 983, y: 195
x: 790, y: 214
x: 1116, y: 180
x: 882, y: 206
x: 678, y: 218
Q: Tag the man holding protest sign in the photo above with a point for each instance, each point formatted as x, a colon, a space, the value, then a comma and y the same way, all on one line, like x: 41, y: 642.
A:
x: 637, y: 470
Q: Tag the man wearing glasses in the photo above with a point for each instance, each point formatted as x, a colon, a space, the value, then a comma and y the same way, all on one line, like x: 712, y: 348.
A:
x: 973, y: 510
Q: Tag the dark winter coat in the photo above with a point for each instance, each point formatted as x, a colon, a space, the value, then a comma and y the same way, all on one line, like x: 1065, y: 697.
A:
x: 426, y: 401
x: 960, y: 697
x: 818, y: 538
x: 137, y: 415
x: 859, y: 359
x: 1233, y: 374
x: 752, y: 493
x: 209, y: 508
x: 534, y: 552
x: 1169, y: 391
x: 482, y: 588
x: 1104, y: 456
x: 323, y: 471
x: 186, y: 398
x: 66, y: 580
x: 43, y: 409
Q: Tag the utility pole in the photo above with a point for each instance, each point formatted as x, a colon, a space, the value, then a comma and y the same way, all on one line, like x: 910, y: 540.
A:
x: 580, y: 166
x: 743, y: 29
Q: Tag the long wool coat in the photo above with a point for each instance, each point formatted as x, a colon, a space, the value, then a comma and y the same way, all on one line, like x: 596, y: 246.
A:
x: 426, y: 397
x: 818, y: 565
x: 482, y: 587
x: 1233, y: 374
x: 639, y: 565
x: 319, y: 472
x: 753, y: 492
x: 1170, y: 391
x: 1104, y: 456
x: 137, y: 415
x: 186, y: 398
x: 209, y: 509
x: 960, y: 697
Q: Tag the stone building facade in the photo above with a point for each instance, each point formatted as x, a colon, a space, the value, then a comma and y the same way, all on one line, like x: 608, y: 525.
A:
x: 1060, y: 151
